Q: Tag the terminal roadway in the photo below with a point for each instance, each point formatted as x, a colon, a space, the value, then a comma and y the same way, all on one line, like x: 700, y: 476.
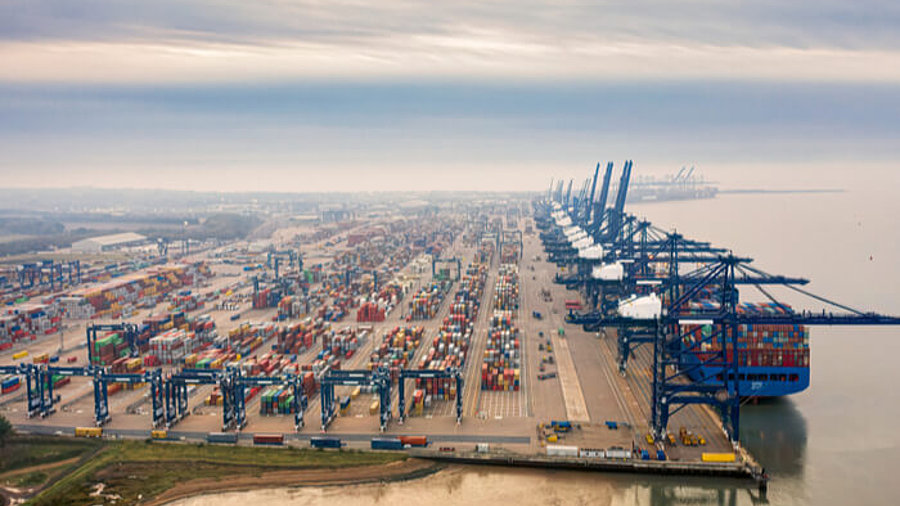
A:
x: 248, y: 436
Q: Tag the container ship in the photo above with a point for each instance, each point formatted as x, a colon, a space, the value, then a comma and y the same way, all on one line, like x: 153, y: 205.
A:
x: 773, y: 360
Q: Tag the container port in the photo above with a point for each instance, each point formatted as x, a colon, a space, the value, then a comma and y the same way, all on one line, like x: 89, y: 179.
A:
x: 553, y: 331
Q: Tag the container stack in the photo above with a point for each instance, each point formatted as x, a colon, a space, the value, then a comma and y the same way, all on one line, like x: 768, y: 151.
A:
x: 299, y: 337
x: 277, y: 401
x: 29, y: 321
x: 9, y: 384
x: 172, y: 346
x: 417, y: 406
x: 450, y: 347
x: 396, y: 350
x: 500, y: 368
x: 370, y: 312
x: 109, y: 348
x: 509, y: 253
x: 343, y: 343
x: 185, y: 301
x: 758, y: 345
x: 485, y: 252
x: 506, y: 290
x: 427, y: 301
x: 128, y: 366
x: 121, y: 296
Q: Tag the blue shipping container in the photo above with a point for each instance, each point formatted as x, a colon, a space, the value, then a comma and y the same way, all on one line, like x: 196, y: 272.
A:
x: 386, y: 444
x: 324, y: 442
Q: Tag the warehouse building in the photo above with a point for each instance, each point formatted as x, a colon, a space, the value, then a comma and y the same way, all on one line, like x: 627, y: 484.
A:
x: 108, y: 242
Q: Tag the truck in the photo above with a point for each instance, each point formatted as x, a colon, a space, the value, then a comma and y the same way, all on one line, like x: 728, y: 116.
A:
x: 414, y: 440
x: 386, y: 443
x: 537, y: 315
x: 268, y: 439
x: 324, y: 442
x: 222, y: 437
x: 88, y: 432
x: 546, y: 376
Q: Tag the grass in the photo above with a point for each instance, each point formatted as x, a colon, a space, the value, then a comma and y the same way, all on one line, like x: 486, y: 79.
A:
x: 131, y: 469
x: 26, y: 451
x: 31, y: 479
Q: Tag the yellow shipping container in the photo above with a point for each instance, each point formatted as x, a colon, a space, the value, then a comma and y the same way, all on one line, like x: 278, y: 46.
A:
x: 717, y: 457
x: 88, y: 431
x: 21, y: 354
x: 159, y: 434
x: 355, y: 393
x: 373, y: 408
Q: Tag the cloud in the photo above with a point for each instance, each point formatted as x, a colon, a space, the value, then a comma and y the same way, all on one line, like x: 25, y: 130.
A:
x: 229, y: 40
x: 402, y: 136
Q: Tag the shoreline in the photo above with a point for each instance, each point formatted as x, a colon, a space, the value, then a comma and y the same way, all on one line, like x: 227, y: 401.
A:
x: 405, y: 470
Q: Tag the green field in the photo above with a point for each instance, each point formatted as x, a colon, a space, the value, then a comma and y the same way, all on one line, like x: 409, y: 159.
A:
x: 162, y: 465
x: 25, y: 451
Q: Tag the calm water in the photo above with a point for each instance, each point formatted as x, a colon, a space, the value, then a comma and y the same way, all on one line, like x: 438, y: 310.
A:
x: 834, y: 444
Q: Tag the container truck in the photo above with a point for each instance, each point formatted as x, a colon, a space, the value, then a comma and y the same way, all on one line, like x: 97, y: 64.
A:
x: 385, y: 443
x: 414, y: 440
x: 88, y: 432
x: 268, y: 439
x: 324, y: 442
x: 222, y: 437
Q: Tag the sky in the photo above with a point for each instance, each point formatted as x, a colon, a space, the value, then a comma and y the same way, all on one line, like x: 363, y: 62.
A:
x: 317, y: 96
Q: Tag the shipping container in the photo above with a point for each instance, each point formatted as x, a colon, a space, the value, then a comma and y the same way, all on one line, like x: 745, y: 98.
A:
x: 324, y: 442
x: 562, y: 451
x: 717, y: 457
x: 222, y: 437
x: 617, y: 452
x: 88, y: 432
x: 414, y: 440
x: 268, y: 439
x: 386, y: 444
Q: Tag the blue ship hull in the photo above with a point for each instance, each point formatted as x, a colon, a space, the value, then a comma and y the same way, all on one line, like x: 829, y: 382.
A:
x: 759, y: 381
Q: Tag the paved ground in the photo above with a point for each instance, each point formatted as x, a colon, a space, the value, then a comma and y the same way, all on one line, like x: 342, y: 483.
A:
x: 588, y: 388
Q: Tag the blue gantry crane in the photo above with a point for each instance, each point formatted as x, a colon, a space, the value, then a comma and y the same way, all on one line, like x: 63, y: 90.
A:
x: 451, y: 260
x: 130, y: 333
x: 643, y: 263
x: 379, y: 380
x: 48, y: 273
x: 451, y: 373
x: 33, y: 386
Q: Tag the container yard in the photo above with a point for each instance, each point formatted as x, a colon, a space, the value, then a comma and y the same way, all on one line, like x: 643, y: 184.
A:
x: 455, y: 338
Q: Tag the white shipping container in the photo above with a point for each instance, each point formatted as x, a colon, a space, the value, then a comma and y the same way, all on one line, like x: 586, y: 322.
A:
x: 562, y: 451
x: 589, y: 453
